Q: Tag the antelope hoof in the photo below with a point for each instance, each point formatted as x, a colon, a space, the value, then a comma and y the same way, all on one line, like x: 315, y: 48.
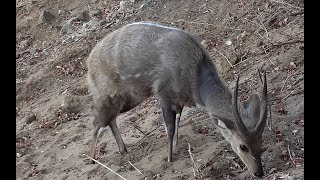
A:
x: 123, y: 151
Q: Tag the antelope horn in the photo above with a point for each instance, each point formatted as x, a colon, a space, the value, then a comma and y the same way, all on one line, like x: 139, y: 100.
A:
x: 238, y: 121
x: 264, y: 103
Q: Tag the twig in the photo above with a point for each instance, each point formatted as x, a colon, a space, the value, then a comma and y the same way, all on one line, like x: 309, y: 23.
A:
x: 224, y: 57
x: 288, y: 95
x: 297, y: 13
x: 191, y: 157
x: 212, y: 159
x: 136, y: 168
x: 299, y: 78
x: 196, y: 171
x: 243, y: 61
x: 195, y: 121
x: 291, y: 156
x: 281, y: 2
x: 138, y: 128
x: 285, y: 82
x: 286, y: 43
x: 201, y: 23
x: 264, y: 27
x: 152, y: 143
x: 105, y: 166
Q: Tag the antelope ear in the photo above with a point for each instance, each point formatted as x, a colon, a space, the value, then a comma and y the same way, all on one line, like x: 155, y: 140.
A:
x: 223, y: 122
x: 225, y: 126
x: 253, y: 109
x: 225, y: 129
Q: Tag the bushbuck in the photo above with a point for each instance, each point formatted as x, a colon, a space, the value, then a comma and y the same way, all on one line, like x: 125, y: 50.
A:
x: 143, y: 59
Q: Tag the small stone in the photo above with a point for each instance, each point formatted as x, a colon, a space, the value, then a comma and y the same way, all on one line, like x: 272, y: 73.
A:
x: 96, y: 12
x: 293, y: 65
x: 57, y: 28
x: 67, y: 27
x: 204, y: 44
x: 272, y: 170
x: 45, y: 17
x: 102, y: 22
x: 24, y: 43
x: 31, y: 118
x: 18, y: 155
x: 260, y: 43
x: 33, y: 50
x: 228, y: 42
x: 84, y: 16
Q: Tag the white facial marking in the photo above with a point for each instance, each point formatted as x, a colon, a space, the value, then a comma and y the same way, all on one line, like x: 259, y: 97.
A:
x: 238, y: 149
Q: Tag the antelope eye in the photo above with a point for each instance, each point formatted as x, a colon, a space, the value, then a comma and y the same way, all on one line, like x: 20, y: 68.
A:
x: 244, y: 148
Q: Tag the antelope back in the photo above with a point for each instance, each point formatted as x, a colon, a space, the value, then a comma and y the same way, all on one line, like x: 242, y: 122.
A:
x: 139, y: 58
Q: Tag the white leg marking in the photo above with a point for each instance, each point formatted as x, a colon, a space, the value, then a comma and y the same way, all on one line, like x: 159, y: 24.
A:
x: 175, y: 136
x: 165, y: 127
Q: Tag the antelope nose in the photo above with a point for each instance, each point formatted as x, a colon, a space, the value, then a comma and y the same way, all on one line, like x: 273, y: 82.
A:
x: 259, y: 173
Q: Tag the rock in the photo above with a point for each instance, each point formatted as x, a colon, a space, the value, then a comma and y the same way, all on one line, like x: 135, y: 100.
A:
x: 228, y: 42
x: 84, y: 16
x: 204, y: 44
x: 34, y: 50
x: 66, y: 28
x: 293, y: 65
x: 24, y: 43
x: 45, y: 17
x: 71, y: 104
x: 31, y: 118
x: 102, y: 22
x: 96, y: 12
x: 57, y: 28
x: 282, y: 126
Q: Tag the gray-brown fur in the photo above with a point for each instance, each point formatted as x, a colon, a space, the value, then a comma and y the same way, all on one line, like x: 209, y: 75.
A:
x: 143, y: 59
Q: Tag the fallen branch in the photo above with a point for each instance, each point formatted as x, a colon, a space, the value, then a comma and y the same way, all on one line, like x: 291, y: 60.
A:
x: 196, y: 171
x: 224, y: 57
x: 139, y: 129
x: 105, y: 166
x: 294, y: 163
x: 291, y: 92
x: 297, y: 13
x: 202, y: 23
x: 212, y: 160
x: 286, y: 43
x: 136, y: 168
x: 281, y: 2
x: 298, y: 79
x: 285, y: 82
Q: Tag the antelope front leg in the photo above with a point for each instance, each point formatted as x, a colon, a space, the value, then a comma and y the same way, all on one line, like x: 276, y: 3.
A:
x: 169, y: 118
x: 117, y: 136
x: 176, y: 136
x: 94, y: 143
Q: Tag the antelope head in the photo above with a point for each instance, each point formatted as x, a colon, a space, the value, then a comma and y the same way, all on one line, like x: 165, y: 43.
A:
x: 245, y: 133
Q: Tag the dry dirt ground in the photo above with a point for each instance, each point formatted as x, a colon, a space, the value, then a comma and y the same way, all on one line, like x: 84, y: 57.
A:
x: 53, y: 115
